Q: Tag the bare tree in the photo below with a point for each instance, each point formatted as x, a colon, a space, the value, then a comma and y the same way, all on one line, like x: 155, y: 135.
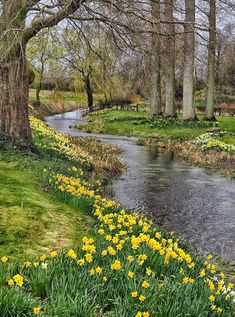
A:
x: 169, y: 60
x: 155, y: 97
x: 189, y: 52
x: 80, y: 57
x: 210, y: 100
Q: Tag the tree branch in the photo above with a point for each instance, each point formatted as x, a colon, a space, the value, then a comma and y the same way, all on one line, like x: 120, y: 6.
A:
x: 39, y: 24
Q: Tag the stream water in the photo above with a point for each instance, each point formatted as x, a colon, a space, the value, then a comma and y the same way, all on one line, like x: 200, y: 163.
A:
x: 185, y: 199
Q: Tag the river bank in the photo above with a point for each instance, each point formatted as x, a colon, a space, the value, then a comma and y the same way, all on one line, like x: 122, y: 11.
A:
x: 217, y: 153
x: 38, y: 221
x: 54, y: 102
x: 215, y: 162
x: 126, y: 265
x: 178, y: 196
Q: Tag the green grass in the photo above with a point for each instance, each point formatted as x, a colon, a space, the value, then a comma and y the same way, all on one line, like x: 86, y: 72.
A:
x: 227, y: 123
x: 47, y: 96
x: 129, y: 123
x: 31, y: 219
x: 228, y: 139
x: 53, y: 102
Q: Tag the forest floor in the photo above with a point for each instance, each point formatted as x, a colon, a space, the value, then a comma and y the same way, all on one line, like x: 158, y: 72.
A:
x: 201, y: 143
x: 121, y: 263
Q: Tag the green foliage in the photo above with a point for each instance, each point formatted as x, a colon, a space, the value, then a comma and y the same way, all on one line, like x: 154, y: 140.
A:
x: 225, y: 95
x: 14, y: 302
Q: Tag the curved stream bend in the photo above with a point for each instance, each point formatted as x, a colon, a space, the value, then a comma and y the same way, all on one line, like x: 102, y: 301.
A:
x: 182, y: 198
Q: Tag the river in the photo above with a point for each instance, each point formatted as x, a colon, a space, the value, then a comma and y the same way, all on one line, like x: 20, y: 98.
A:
x: 197, y: 206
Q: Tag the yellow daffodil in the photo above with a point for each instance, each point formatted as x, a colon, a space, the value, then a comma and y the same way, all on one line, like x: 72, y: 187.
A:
x: 4, y: 259
x: 116, y: 265
x: 36, y: 310
x: 142, y: 298
x: 134, y: 294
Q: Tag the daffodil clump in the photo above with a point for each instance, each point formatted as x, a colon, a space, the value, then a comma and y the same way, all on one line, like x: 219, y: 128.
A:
x: 74, y: 190
x: 48, y: 139
x: 210, y: 141
x: 126, y: 267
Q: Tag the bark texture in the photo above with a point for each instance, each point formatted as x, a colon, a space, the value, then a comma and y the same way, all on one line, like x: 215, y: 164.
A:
x: 14, y: 123
x: 169, y: 62
x: 210, y: 100
x: 189, y: 68
x: 89, y: 93
x: 14, y: 80
x: 155, y: 95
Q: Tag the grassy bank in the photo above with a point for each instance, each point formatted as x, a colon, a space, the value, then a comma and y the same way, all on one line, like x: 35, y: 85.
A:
x: 38, y: 220
x: 33, y: 220
x: 53, y: 102
x: 125, y: 266
x: 132, y: 123
x: 214, y: 150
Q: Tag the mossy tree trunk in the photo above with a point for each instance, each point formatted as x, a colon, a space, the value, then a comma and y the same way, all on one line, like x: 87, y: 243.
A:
x: 14, y: 79
x: 14, y: 123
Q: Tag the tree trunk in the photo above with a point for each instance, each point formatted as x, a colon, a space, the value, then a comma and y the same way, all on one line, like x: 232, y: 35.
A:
x: 14, y: 82
x: 38, y: 90
x: 210, y: 100
x: 14, y: 79
x: 169, y: 53
x: 155, y: 95
x: 89, y: 93
x: 189, y: 52
x: 39, y: 87
x: 218, y: 60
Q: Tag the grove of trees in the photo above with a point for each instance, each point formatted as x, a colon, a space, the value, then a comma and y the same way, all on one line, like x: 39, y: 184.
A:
x: 148, y: 47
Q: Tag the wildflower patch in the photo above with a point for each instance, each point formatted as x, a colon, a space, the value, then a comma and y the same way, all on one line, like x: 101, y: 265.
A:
x: 211, y: 141
x: 125, y: 267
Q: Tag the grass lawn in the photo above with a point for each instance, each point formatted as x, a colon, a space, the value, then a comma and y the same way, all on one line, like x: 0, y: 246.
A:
x: 53, y: 102
x: 31, y: 219
x: 227, y: 123
x: 134, y: 123
x: 47, y: 96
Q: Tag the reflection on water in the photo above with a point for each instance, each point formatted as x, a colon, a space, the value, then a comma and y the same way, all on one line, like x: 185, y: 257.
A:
x: 185, y: 199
